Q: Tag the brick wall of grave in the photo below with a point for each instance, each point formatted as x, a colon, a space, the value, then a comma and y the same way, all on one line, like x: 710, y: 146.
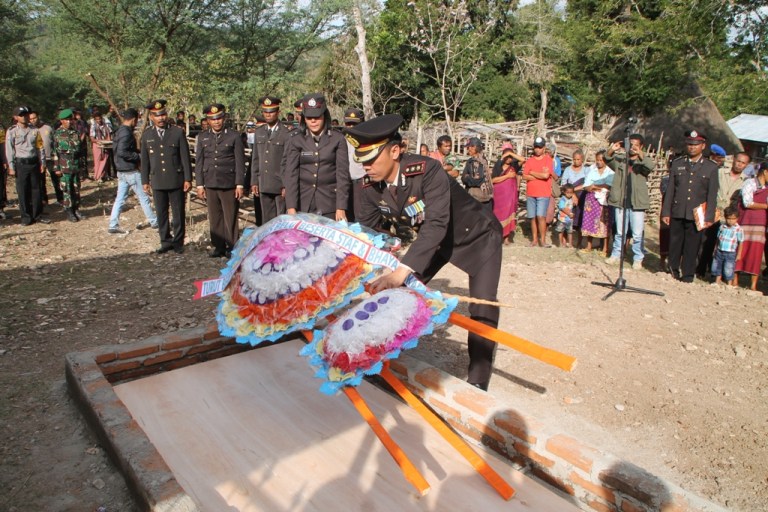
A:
x: 594, y: 479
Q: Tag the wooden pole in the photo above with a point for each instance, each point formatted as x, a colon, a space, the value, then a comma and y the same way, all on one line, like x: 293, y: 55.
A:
x: 482, y: 467
x: 406, y: 466
x: 546, y: 355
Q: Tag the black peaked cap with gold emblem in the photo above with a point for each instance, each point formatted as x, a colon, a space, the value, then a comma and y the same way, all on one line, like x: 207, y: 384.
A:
x: 215, y: 111
x: 354, y: 115
x: 370, y: 136
x: 156, y: 107
x: 269, y: 104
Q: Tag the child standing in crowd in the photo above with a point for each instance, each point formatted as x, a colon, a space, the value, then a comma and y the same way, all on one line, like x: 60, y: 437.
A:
x: 729, y: 243
x: 564, y: 226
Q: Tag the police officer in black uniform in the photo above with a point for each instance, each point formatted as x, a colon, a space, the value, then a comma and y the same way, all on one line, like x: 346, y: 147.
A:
x: 165, y: 167
x: 220, y: 177
x: 693, y: 180
x: 415, y: 192
x: 267, y: 160
x: 316, y: 175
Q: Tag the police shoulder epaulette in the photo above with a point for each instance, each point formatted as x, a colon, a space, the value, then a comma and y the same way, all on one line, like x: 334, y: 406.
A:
x: 415, y: 169
x: 366, y: 181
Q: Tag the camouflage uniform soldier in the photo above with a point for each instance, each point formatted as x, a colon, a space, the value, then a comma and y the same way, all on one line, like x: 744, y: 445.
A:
x: 66, y: 154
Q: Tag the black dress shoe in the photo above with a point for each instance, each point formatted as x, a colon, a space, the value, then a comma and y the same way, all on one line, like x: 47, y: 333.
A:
x: 178, y: 250
x: 163, y: 249
x: 43, y: 220
x: 216, y: 253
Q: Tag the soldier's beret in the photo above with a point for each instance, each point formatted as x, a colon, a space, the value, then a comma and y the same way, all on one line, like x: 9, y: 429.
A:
x: 215, y: 111
x: 694, y: 137
x: 66, y: 114
x: 717, y: 150
x: 156, y: 107
x: 269, y: 104
x: 313, y: 105
x: 353, y: 116
x: 369, y: 137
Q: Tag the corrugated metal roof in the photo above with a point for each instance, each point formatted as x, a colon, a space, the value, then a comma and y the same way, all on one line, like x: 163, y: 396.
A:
x: 750, y: 127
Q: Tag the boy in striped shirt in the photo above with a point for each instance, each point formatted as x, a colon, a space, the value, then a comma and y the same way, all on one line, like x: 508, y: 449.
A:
x: 729, y: 242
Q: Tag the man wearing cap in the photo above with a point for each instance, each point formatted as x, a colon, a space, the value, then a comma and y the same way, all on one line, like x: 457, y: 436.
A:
x: 693, y: 181
x: 414, y: 192
x: 267, y: 160
x: 220, y: 177
x: 352, y: 118
x: 316, y: 175
x: 127, y: 159
x: 538, y: 173
x: 630, y: 203
x: 476, y: 175
x: 66, y: 155
x: 165, y: 168
x: 729, y: 182
x: 23, y: 150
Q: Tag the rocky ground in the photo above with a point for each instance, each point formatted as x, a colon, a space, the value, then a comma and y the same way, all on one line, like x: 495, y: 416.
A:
x: 676, y: 384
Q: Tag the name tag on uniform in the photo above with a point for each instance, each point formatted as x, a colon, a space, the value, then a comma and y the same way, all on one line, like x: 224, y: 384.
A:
x: 385, y: 209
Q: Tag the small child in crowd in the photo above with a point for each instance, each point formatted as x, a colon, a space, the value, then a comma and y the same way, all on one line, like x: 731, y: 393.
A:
x: 564, y: 224
x: 729, y: 243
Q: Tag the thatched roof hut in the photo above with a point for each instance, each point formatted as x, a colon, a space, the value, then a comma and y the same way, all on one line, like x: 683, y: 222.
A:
x: 691, y: 110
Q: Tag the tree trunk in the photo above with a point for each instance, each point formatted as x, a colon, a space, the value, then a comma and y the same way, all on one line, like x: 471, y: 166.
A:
x: 543, y: 92
x: 589, y: 119
x: 365, y: 67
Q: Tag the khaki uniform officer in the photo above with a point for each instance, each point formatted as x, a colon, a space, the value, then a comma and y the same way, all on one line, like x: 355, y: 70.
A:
x: 220, y: 176
x: 165, y: 168
x: 414, y: 192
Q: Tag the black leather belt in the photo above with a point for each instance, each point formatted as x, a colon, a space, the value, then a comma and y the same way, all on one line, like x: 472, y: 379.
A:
x: 27, y: 160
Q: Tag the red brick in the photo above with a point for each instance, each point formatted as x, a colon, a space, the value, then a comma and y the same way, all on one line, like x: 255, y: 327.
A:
x: 138, y: 352
x: 167, y: 356
x: 205, y: 347
x: 120, y: 367
x: 486, y: 430
x: 628, y: 506
x: 222, y: 352
x: 181, y: 363
x: 133, y: 374
x: 232, y: 341
x: 599, y: 506
x: 475, y: 400
x: 516, y: 425
x: 469, y: 432
x: 174, y: 341
x: 105, y: 358
x: 573, y: 451
x: 211, y: 332
x: 552, y: 480
x: 431, y: 378
x: 398, y: 367
x: 597, y: 490
x: 444, y: 408
x: 538, y: 458
x: 96, y: 385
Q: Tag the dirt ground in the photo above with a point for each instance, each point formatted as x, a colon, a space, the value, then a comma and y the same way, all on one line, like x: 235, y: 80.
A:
x: 676, y: 384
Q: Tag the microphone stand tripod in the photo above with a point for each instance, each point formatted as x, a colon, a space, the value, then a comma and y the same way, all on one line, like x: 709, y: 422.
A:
x: 621, y: 284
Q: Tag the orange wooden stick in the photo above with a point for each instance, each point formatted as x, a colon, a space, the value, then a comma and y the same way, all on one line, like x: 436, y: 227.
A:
x: 482, y: 467
x: 547, y: 355
x: 406, y: 466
